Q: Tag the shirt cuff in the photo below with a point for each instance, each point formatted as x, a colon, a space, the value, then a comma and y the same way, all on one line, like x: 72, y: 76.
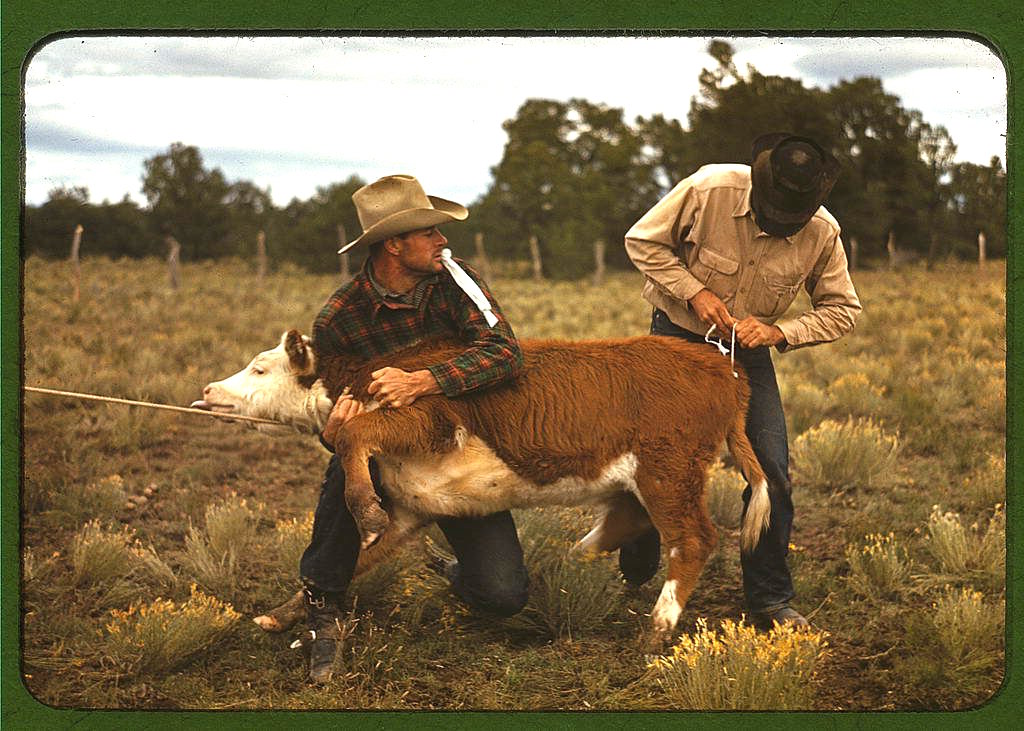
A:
x: 791, y: 330
x: 448, y: 378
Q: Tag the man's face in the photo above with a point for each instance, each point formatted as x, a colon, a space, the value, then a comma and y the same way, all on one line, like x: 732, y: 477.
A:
x: 420, y: 250
x: 768, y: 225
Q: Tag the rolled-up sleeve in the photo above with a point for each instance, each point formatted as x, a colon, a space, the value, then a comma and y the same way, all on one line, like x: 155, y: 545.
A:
x: 653, y: 242
x: 834, y: 302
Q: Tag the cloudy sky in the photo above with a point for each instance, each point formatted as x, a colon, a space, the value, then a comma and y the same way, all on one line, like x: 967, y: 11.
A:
x: 294, y: 113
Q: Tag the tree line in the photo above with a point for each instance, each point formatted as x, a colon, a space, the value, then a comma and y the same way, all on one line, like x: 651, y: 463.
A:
x: 573, y: 173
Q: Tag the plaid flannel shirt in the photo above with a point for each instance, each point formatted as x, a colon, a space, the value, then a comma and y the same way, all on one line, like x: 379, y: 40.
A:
x: 361, y: 319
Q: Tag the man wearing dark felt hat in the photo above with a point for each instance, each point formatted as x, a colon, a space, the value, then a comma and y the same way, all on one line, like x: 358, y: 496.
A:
x: 725, y: 253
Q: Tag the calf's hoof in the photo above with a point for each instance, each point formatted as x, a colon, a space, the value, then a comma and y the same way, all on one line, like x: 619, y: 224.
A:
x: 655, y: 641
x: 284, y: 616
x: 371, y: 521
x: 268, y: 623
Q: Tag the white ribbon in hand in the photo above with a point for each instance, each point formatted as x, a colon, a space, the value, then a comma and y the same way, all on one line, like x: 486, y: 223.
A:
x: 730, y: 351
x: 467, y: 285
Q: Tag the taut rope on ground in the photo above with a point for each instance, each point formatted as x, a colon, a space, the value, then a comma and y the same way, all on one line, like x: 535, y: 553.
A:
x: 166, y: 407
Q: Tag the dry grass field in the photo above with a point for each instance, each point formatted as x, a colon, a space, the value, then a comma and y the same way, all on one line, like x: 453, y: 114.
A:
x: 150, y: 538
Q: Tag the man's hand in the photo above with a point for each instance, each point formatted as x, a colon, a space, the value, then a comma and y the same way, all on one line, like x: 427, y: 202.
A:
x: 393, y: 387
x: 344, y: 409
x: 712, y: 311
x: 753, y: 333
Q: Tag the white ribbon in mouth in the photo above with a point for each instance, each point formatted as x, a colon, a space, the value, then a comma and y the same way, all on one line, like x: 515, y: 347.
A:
x: 467, y: 285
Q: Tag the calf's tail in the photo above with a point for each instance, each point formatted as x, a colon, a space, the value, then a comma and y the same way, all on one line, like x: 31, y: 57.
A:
x: 759, y: 509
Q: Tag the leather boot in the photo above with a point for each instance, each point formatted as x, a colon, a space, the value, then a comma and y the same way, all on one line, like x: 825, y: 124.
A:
x: 323, y: 634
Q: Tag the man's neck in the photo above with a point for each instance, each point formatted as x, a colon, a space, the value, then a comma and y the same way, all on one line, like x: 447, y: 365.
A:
x: 394, y: 277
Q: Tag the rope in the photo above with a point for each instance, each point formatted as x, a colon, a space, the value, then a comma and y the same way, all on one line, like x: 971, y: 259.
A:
x: 166, y: 407
x: 730, y: 351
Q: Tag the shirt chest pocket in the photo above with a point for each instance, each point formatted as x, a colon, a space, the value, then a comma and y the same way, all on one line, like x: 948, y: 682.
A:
x: 716, y: 271
x: 773, y: 295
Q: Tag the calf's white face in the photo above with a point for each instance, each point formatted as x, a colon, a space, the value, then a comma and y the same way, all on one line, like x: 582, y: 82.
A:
x: 274, y: 386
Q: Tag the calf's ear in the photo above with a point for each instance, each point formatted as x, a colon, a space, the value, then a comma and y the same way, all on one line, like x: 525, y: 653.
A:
x: 298, y: 352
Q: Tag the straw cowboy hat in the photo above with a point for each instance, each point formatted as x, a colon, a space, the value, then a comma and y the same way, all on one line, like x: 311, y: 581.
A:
x: 791, y: 176
x: 396, y: 204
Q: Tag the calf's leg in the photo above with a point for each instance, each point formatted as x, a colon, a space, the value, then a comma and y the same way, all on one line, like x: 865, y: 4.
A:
x: 414, y: 429
x: 623, y: 519
x: 688, y: 536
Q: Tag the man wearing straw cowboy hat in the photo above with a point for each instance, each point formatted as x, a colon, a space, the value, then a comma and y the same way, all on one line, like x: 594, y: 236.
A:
x: 409, y: 290
x: 727, y: 250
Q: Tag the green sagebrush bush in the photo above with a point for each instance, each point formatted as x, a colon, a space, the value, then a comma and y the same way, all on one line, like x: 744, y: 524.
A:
x: 724, y: 493
x: 108, y: 565
x: 879, y: 567
x: 212, y: 554
x: 738, y: 668
x: 955, y: 649
x: 161, y: 636
x: 986, y: 485
x: 100, y: 554
x: 805, y: 405
x: 837, y: 456
x: 973, y: 553
x: 100, y: 499
x: 569, y: 593
x: 291, y: 536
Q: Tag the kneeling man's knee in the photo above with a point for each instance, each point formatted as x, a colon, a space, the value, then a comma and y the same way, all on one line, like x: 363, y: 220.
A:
x: 502, y: 596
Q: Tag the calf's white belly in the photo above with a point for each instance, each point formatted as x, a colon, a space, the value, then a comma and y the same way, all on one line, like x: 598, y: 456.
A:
x: 473, y: 480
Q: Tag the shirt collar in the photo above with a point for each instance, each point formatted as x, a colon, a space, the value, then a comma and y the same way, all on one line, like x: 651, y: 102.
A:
x: 743, y: 208
x: 398, y: 300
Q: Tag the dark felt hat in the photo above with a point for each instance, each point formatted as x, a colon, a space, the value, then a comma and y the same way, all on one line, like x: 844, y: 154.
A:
x: 791, y: 177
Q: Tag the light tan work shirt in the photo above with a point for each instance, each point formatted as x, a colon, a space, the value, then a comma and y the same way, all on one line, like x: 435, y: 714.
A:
x: 703, y: 234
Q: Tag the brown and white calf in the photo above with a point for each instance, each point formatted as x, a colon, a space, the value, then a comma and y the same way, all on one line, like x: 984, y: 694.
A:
x: 630, y: 426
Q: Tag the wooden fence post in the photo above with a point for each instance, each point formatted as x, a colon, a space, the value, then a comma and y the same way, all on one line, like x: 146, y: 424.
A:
x: 344, y: 263
x: 482, y: 265
x: 538, y: 272
x: 173, y: 261
x: 981, y: 248
x: 854, y: 247
x: 76, y: 241
x: 890, y: 246
x: 261, y: 254
x: 599, y: 262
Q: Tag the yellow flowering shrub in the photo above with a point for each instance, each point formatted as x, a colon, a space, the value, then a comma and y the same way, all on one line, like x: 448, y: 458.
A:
x: 162, y: 635
x: 738, y: 668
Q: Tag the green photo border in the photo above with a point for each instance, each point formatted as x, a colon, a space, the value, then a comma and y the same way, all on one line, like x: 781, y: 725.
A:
x: 26, y: 23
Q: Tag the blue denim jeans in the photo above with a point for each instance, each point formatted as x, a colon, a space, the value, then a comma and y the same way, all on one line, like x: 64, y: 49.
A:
x: 767, y: 584
x: 490, y: 575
